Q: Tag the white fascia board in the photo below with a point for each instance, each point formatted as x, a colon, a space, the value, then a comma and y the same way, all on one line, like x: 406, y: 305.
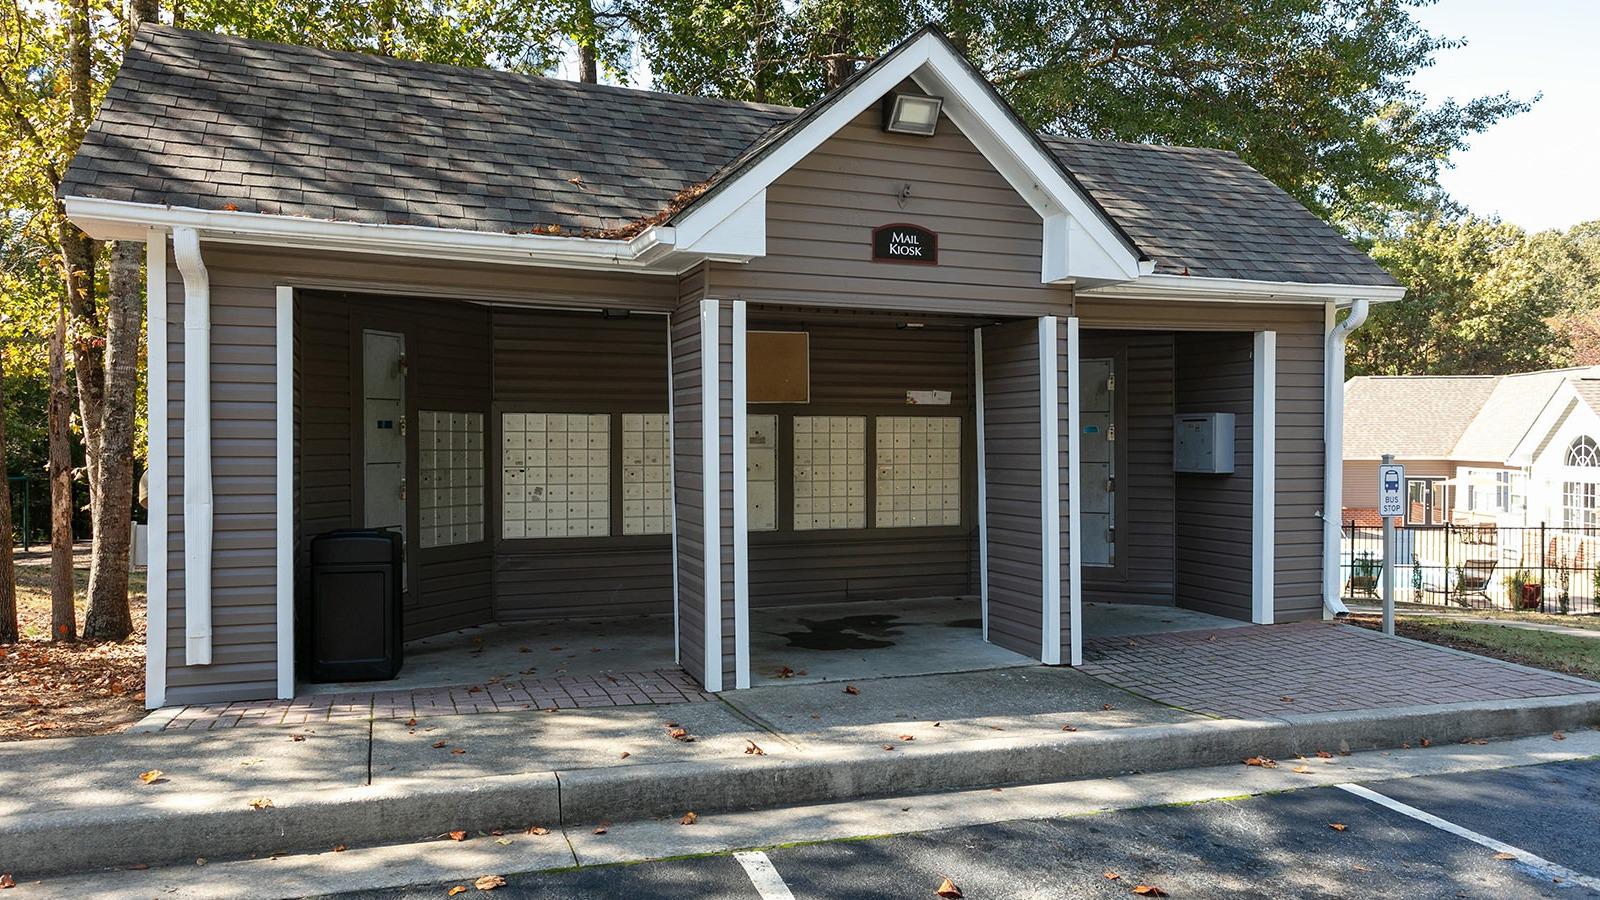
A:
x: 652, y: 252
x: 739, y: 237
x: 1241, y: 290
x: 1549, y: 419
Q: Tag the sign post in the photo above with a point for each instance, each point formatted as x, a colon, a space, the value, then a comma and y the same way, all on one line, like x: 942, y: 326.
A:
x: 1391, y: 503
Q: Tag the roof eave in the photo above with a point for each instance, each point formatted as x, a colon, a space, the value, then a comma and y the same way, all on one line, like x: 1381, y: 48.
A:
x: 653, y: 251
x: 1243, y: 290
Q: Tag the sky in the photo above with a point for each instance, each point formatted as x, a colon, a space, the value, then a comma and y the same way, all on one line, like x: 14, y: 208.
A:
x: 1539, y: 169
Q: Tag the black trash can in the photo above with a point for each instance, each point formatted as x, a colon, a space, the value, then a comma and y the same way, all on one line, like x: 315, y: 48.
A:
x: 355, y: 606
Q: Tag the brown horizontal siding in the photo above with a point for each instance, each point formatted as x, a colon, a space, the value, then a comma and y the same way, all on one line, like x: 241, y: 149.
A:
x: 820, y: 216
x: 1214, y: 512
x: 689, y: 483
x: 1012, y: 461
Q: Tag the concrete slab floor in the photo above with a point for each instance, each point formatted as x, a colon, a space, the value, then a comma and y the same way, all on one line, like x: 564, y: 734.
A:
x: 544, y: 648
x: 871, y: 639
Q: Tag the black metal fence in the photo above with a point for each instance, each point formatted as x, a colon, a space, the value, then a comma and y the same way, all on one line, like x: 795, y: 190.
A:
x: 1535, y: 568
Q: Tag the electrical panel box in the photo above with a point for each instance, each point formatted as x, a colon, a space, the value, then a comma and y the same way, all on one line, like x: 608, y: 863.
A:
x: 1202, y: 443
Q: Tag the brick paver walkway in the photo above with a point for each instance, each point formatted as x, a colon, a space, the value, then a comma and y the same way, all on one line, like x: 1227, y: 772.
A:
x: 1304, y: 668
x: 620, y: 689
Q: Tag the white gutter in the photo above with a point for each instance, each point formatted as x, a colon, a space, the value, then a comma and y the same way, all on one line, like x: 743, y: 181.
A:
x: 196, y: 447
x: 1241, y: 290
x: 1333, y: 453
x: 654, y: 250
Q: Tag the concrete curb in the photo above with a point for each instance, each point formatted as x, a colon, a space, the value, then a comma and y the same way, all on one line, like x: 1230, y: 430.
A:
x: 414, y: 809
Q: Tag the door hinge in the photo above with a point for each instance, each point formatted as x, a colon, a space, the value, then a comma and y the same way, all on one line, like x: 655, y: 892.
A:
x: 1111, y: 382
x: 1111, y: 432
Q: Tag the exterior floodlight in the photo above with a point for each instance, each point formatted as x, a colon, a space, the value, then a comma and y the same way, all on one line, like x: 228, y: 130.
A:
x: 911, y: 113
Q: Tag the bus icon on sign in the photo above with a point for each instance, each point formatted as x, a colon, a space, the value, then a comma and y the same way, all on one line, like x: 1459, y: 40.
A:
x: 1391, y: 482
x: 1391, y: 490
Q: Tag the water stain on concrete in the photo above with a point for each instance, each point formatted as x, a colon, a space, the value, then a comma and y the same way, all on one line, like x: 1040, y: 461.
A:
x: 869, y: 632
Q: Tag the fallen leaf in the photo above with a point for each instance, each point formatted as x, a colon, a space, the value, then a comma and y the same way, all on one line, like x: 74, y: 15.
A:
x: 458, y: 836
x: 231, y: 207
x: 1107, y: 706
x: 1286, y: 698
x: 751, y: 748
x: 7, y: 881
x: 888, y: 746
x: 489, y: 883
x: 339, y: 848
x: 504, y: 842
x: 851, y: 689
x: 151, y: 777
x: 297, y: 737
x: 1323, y: 754
x: 440, y: 745
x: 1558, y: 736
x: 785, y: 672
x: 625, y: 754
x: 1148, y: 890
x: 1505, y: 856
x: 670, y: 724
x: 261, y: 803
x: 457, y: 751
x: 948, y: 890
x: 1262, y: 761
x: 1405, y: 745
x: 475, y: 689
x: 1301, y: 770
x: 1110, y: 875
x: 603, y: 827
x: 411, y: 723
x: 538, y: 830
x: 1069, y: 728
x: 681, y: 734
x: 1426, y: 743
x: 689, y: 818
x: 908, y: 737
x: 1338, y: 826
x: 458, y: 889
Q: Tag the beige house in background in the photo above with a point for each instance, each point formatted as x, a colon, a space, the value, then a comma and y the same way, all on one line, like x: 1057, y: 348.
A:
x: 1508, y: 450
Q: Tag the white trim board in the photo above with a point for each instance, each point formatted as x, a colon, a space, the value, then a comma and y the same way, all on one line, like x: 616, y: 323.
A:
x: 1263, y: 475
x: 284, y: 338
x: 711, y: 492
x: 672, y: 491
x: 1050, y: 487
x: 1074, y: 495
x: 156, y: 336
x: 741, y: 511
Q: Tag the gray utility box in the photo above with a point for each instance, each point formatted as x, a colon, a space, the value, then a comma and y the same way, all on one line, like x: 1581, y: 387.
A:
x: 1202, y: 443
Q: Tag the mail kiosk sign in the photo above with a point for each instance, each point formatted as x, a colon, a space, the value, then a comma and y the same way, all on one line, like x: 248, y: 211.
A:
x: 905, y: 243
x: 1391, y: 491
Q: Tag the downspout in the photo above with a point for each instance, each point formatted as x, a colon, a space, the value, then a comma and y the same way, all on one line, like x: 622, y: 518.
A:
x: 197, y: 521
x: 1333, y: 454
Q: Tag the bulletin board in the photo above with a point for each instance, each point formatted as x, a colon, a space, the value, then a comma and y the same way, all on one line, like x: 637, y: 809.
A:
x: 777, y: 367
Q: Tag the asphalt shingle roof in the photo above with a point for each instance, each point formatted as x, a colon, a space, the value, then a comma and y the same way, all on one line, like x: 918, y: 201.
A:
x: 207, y: 121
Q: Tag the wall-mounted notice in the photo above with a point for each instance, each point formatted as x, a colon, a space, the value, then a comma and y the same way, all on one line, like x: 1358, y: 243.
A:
x: 927, y: 398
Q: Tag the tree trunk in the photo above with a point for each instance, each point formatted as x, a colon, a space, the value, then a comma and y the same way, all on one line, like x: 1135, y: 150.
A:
x: 109, y: 617
x: 8, y: 572
x: 63, y: 618
x: 588, y: 40
x: 88, y: 345
x: 842, y: 51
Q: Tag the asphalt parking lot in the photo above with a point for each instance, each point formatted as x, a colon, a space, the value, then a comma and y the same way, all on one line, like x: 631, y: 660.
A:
x: 1268, y: 846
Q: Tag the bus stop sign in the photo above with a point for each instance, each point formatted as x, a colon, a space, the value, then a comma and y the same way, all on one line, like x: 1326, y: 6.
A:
x: 1391, y: 491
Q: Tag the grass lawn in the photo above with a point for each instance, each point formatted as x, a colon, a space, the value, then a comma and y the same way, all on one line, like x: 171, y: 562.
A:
x: 1589, y: 622
x: 64, y: 689
x: 1569, y: 654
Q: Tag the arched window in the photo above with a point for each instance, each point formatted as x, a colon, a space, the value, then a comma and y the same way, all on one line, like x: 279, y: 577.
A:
x: 1583, y: 453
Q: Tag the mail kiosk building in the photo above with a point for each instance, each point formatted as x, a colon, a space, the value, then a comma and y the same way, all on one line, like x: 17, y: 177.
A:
x: 601, y: 352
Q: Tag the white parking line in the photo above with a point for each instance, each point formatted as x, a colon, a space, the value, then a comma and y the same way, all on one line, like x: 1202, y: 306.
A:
x: 1538, y: 864
x: 769, y: 884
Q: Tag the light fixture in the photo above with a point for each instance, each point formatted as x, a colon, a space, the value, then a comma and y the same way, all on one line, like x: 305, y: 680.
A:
x: 911, y: 113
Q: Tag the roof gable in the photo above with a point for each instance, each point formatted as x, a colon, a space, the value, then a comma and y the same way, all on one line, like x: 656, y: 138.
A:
x: 1081, y: 242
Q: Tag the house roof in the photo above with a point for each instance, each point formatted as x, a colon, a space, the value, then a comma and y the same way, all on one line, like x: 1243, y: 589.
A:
x: 1588, y: 390
x: 212, y: 122
x: 1469, y: 418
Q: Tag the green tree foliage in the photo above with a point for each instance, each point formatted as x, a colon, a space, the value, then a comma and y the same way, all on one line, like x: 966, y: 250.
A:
x: 1485, y: 298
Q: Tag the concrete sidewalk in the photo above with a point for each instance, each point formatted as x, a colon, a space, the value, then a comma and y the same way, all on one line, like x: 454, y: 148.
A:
x: 78, y: 803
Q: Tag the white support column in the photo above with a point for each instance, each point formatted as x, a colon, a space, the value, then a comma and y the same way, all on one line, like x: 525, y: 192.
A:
x: 711, y: 490
x: 284, y: 335
x: 741, y: 509
x: 1050, y: 486
x: 983, y: 482
x: 1263, y: 475
x: 197, y: 504
x: 1074, y: 495
x: 155, y: 649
